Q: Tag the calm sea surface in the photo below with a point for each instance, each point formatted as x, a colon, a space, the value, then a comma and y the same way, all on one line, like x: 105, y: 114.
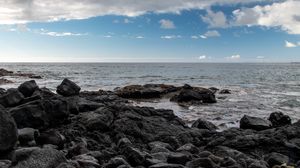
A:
x: 257, y: 89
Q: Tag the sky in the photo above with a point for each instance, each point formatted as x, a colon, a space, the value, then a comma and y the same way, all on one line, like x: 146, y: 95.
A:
x: 150, y: 31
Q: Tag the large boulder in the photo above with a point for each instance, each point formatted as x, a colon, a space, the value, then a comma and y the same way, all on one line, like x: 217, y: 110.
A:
x: 196, y: 94
x: 8, y: 131
x: 68, y: 88
x: 278, y: 119
x: 27, y: 88
x: 51, y: 137
x: 30, y: 115
x: 11, y: 98
x: 41, y: 113
x: 204, y: 124
x: 255, y: 123
x: 42, y: 158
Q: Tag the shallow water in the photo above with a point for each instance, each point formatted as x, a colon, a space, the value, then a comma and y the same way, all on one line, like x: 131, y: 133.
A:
x: 257, y: 89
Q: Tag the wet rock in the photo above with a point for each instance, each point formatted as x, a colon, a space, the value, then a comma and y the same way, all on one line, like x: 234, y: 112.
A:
x: 213, y: 89
x: 4, y: 72
x: 51, y: 137
x: 278, y: 119
x: 197, y: 94
x: 8, y: 131
x: 45, y: 158
x: 2, y: 91
x: 138, y: 92
x: 68, y: 88
x: 204, y: 124
x: 11, y: 98
x: 5, y: 81
x: 27, y: 88
x: 27, y: 136
x: 255, y: 123
x: 225, y: 91
x: 276, y: 159
x: 166, y: 165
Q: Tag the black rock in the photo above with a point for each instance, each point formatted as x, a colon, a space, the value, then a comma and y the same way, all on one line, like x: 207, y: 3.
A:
x: 30, y: 115
x: 43, y: 158
x: 225, y: 91
x: 204, y: 124
x: 8, y: 131
x: 56, y: 109
x: 135, y: 156
x: 276, y: 159
x: 190, y: 148
x: 115, y: 162
x: 201, y: 95
x: 255, y: 123
x: 27, y: 136
x: 179, y: 158
x: 278, y: 119
x: 68, y: 88
x: 166, y: 165
x: 27, y: 88
x: 51, y: 137
x: 201, y: 162
x: 11, y: 98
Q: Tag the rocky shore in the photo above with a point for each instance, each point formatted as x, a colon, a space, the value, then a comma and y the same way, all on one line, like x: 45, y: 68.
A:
x: 102, y: 129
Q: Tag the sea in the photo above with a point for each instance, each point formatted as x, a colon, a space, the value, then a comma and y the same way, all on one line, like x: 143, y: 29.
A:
x: 258, y: 89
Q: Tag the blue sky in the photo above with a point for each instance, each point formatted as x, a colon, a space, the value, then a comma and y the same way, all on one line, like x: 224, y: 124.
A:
x: 174, y: 31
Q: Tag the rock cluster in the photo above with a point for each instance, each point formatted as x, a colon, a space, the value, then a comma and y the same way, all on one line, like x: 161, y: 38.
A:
x: 73, y: 129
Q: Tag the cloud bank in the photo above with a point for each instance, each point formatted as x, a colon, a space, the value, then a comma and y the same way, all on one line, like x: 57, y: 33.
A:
x: 24, y: 11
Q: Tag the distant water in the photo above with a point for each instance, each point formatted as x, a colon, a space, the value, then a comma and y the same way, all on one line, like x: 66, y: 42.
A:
x: 258, y: 89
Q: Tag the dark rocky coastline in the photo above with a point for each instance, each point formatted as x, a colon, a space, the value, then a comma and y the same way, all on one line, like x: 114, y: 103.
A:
x: 102, y: 129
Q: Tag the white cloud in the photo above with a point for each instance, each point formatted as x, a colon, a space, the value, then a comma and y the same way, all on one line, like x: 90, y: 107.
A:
x: 290, y: 44
x: 59, y: 34
x: 127, y: 21
x: 211, y: 33
x: 234, y: 57
x: 107, y: 36
x: 284, y: 15
x: 139, y: 37
x: 202, y: 57
x: 260, y: 57
x: 215, y: 19
x: 203, y: 37
x: 24, y: 11
x: 167, y: 24
x: 170, y: 37
x: 194, y: 37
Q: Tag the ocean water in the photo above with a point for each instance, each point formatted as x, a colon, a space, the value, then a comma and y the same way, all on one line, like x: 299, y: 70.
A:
x: 257, y: 88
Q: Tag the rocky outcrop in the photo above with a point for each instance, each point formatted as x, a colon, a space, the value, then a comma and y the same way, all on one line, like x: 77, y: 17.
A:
x: 201, y: 95
x: 255, y: 123
x: 68, y: 88
x: 8, y: 131
x: 204, y: 124
x: 28, y: 88
x: 278, y: 119
x: 100, y: 129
